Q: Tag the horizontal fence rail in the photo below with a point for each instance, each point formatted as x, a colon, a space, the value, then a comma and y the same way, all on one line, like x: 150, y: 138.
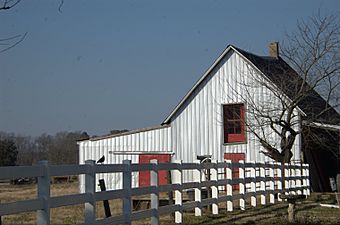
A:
x: 263, y: 181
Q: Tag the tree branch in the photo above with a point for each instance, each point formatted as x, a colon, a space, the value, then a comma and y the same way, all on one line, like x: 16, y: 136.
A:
x: 17, y: 40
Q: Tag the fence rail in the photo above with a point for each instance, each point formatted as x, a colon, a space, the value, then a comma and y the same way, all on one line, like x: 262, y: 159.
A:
x: 255, y: 180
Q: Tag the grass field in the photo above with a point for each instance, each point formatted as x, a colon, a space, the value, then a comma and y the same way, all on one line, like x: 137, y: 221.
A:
x: 308, y: 212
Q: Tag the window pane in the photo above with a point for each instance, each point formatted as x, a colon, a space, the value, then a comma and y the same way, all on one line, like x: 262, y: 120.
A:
x: 237, y: 112
x: 228, y: 113
x: 230, y: 130
x: 237, y: 126
x: 230, y: 127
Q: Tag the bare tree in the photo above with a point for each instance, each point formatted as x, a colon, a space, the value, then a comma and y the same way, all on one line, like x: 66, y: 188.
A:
x: 289, y: 92
x: 8, y: 153
x: 10, y: 42
x: 306, y: 89
x: 8, y: 4
x: 314, y: 52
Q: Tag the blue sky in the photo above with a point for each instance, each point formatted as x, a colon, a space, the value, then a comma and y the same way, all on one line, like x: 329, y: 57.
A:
x: 102, y: 65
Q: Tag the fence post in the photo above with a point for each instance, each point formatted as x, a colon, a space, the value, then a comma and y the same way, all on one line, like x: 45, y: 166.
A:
x: 304, y: 180
x: 155, y: 195
x: 214, y: 189
x: 198, y: 195
x: 298, y: 182
x: 43, y: 215
x: 307, y: 174
x: 279, y: 180
x: 127, y: 207
x: 263, y: 183
x: 286, y: 178
x: 262, y: 172
x: 229, y: 178
x: 90, y: 189
x: 242, y: 187
x: 170, y: 194
x: 253, y: 184
x: 178, y: 179
x: 271, y: 183
x: 293, y: 177
x: 106, y: 203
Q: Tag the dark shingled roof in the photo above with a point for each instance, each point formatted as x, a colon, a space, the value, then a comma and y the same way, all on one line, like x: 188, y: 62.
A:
x: 287, y: 79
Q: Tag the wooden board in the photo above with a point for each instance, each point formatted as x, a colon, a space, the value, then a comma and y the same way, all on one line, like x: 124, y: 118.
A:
x: 144, y: 176
x: 235, y: 157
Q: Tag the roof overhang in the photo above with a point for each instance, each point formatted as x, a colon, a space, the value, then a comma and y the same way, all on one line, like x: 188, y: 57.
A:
x: 97, y: 138
x: 322, y: 125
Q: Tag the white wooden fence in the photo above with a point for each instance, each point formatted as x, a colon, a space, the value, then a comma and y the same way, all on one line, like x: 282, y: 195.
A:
x: 256, y: 180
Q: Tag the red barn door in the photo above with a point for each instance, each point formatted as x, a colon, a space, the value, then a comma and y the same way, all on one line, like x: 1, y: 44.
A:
x: 235, y: 157
x: 144, y: 176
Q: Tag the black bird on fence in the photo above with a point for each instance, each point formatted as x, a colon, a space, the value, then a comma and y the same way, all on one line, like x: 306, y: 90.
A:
x: 101, y: 160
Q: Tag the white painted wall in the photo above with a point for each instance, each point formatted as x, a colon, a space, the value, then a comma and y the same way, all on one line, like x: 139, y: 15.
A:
x: 117, y: 148
x: 197, y: 127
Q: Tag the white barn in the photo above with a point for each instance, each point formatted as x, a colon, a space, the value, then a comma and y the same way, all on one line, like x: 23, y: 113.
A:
x: 198, y: 124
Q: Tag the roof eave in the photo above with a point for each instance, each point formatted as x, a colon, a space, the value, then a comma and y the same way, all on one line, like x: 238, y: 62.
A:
x: 322, y: 125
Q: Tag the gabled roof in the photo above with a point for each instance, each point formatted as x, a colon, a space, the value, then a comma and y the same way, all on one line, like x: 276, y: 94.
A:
x: 282, y: 75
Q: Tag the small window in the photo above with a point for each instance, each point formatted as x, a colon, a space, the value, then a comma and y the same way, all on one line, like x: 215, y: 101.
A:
x: 233, y: 123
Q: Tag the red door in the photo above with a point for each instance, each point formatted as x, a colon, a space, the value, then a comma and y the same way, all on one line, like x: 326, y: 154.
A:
x: 144, y: 176
x: 235, y: 157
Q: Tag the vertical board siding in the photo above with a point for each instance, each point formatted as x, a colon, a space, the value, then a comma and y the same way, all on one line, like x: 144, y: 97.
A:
x: 197, y: 128
x: 119, y: 148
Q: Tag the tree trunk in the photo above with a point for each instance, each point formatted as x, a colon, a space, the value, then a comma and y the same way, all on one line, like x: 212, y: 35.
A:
x: 291, y: 212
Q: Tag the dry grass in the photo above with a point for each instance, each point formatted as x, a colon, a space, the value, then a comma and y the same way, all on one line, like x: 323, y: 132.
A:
x: 62, y: 215
x: 307, y: 213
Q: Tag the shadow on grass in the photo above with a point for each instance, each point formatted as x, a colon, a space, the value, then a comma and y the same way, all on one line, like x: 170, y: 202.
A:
x: 247, y: 217
x: 306, y: 207
x: 264, y: 215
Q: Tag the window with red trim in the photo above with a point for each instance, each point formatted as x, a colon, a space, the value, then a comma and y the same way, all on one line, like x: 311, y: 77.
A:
x: 233, y: 123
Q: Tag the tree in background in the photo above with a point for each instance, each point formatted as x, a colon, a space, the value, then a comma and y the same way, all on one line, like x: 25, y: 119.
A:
x: 60, y: 148
x: 63, y: 148
x: 25, y: 149
x: 8, y: 153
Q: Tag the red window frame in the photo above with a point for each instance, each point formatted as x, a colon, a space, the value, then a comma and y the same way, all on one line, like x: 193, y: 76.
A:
x: 233, y: 123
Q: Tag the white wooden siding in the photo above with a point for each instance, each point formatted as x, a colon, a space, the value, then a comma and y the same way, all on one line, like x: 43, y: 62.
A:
x: 197, y: 127
x: 118, y: 148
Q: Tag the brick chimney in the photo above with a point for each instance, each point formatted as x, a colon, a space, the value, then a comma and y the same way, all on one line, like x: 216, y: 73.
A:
x: 274, y: 49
